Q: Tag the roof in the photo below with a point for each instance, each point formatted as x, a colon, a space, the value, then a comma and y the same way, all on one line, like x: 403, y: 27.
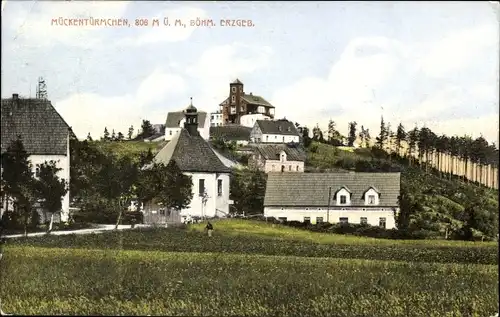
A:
x: 256, y: 100
x: 174, y: 119
x: 192, y: 154
x: 237, y: 81
x: 42, y: 129
x: 272, y: 151
x: 282, y: 127
x: 231, y: 132
x: 311, y: 189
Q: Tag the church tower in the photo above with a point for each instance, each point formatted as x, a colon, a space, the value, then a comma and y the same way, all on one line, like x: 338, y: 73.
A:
x: 191, y: 123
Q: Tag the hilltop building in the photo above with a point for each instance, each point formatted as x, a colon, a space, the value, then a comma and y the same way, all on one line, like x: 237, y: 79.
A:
x: 240, y: 103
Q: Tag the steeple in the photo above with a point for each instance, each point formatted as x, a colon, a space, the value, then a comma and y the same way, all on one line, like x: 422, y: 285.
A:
x: 191, y: 124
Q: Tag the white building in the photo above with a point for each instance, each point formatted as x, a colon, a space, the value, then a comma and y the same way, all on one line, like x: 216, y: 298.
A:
x: 45, y: 137
x: 249, y: 120
x: 279, y: 131
x: 216, y: 119
x: 278, y: 158
x: 231, y: 133
x: 209, y: 170
x: 176, y: 120
x: 369, y: 198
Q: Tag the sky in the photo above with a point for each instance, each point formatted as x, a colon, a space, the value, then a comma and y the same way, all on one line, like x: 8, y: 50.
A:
x: 433, y: 64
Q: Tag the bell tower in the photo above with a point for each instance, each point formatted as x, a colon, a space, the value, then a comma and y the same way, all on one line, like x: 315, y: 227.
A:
x: 191, y: 124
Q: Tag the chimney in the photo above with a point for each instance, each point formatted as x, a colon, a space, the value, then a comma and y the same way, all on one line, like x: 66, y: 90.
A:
x: 15, y: 96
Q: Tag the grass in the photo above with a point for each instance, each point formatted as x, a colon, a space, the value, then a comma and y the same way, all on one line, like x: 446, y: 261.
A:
x: 248, y: 268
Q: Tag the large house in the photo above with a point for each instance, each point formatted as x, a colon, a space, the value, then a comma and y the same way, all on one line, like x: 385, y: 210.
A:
x: 216, y: 119
x: 240, y: 103
x: 278, y: 158
x: 176, y: 120
x: 359, y: 198
x: 249, y: 120
x: 209, y: 170
x: 45, y: 137
x: 279, y: 131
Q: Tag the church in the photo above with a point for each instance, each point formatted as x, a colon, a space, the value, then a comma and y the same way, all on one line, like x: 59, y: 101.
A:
x: 209, y: 170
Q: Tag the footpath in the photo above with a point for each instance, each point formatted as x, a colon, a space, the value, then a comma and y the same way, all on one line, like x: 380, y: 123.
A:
x: 99, y: 229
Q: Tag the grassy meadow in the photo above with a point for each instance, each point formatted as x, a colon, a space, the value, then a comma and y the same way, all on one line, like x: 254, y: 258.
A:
x: 248, y: 268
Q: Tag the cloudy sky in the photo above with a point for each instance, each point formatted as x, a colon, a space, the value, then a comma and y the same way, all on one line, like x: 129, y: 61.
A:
x: 424, y: 63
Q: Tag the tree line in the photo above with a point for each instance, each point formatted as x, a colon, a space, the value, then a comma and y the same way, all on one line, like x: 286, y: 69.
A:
x: 147, y: 130
x: 420, y: 143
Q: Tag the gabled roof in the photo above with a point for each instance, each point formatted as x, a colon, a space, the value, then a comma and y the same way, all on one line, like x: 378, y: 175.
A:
x: 271, y: 151
x: 42, y: 129
x: 192, y: 154
x: 256, y: 100
x: 371, y: 187
x: 174, y: 118
x: 231, y: 132
x: 311, y: 189
x: 281, y: 127
x: 343, y: 187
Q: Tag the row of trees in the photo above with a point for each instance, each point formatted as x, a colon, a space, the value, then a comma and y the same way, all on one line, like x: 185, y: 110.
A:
x: 102, y: 180
x: 146, y: 131
x: 424, y: 142
x: 25, y: 188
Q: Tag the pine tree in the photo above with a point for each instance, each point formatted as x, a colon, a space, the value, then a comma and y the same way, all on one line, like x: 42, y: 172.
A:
x: 106, y: 134
x: 384, y: 133
x: 130, y: 132
x: 400, y: 137
x: 120, y: 136
x: 89, y: 138
x: 113, y: 136
x: 352, y: 133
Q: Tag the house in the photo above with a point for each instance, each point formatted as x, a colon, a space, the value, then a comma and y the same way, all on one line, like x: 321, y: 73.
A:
x: 360, y: 198
x: 248, y: 120
x: 278, y: 158
x: 216, y: 119
x: 240, y: 103
x: 45, y: 136
x: 279, y: 131
x: 209, y: 170
x: 176, y: 120
x: 230, y: 133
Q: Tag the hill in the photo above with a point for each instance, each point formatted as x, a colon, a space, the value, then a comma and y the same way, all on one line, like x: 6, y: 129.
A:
x: 128, y: 148
x: 438, y: 200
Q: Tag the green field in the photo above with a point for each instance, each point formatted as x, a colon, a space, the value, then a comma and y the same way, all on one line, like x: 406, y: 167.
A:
x: 247, y: 269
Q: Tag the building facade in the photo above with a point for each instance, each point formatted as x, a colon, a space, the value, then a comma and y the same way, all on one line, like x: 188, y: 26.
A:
x: 216, y: 119
x: 278, y: 158
x: 279, y: 131
x: 359, y: 198
x: 176, y: 120
x: 240, y: 103
x: 45, y: 137
x: 209, y: 170
x: 249, y: 120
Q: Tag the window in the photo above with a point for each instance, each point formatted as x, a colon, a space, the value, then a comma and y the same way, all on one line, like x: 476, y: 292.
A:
x: 371, y: 199
x: 241, y: 89
x: 201, y: 187
x: 283, y: 139
x: 219, y: 187
x: 212, y: 117
x: 307, y: 220
x: 307, y: 208
x: 267, y: 138
x: 381, y: 222
x: 233, y: 89
x: 344, y: 220
x: 297, y: 168
x: 170, y: 132
x: 282, y: 157
x: 363, y: 221
x: 343, y: 199
x: 282, y: 168
x: 319, y: 208
x: 37, y: 170
x: 233, y: 98
x: 319, y: 219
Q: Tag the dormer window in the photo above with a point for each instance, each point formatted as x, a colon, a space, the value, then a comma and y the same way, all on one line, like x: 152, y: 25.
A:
x: 371, y: 199
x: 343, y: 199
x: 343, y: 196
x: 371, y: 196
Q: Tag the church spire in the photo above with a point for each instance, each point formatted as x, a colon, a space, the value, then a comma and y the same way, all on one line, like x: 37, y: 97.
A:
x: 191, y: 124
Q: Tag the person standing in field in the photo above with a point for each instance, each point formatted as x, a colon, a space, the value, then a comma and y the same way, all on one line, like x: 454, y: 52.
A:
x: 209, y: 228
